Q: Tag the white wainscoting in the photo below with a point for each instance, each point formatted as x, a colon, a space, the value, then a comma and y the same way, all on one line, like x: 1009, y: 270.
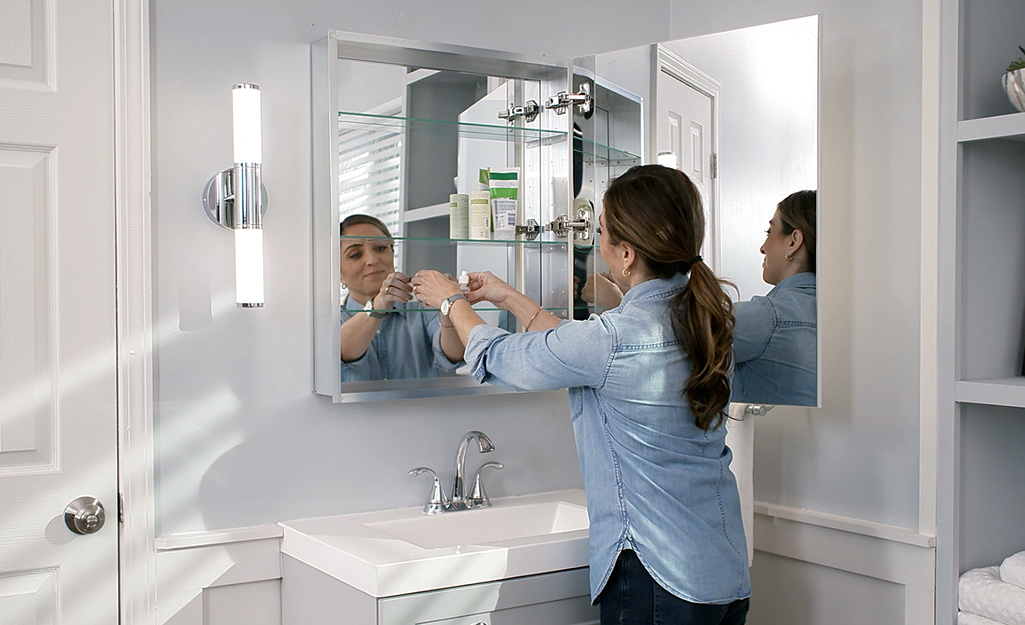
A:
x: 225, y: 577
x: 234, y: 576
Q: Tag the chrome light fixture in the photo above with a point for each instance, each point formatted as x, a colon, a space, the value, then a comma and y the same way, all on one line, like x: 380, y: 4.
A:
x: 235, y: 198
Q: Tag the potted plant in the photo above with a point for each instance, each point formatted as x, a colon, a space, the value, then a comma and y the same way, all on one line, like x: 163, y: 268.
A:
x: 1014, y: 82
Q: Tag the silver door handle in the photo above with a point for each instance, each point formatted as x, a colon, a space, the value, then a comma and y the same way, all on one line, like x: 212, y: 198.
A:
x: 85, y: 515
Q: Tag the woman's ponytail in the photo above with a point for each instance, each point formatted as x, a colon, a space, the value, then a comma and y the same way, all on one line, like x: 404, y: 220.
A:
x: 703, y: 321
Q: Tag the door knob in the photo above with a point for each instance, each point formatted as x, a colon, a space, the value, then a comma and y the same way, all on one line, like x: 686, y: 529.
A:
x: 85, y: 515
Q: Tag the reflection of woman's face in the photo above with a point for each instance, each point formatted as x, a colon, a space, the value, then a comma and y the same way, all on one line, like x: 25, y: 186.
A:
x: 775, y: 250
x: 609, y: 255
x: 365, y: 263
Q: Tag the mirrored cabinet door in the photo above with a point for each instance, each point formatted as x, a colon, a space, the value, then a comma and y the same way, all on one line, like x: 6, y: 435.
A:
x: 430, y: 157
x: 608, y: 139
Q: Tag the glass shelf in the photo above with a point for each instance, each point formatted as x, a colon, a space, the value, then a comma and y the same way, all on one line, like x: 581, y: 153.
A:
x: 465, y: 242
x: 559, y: 312
x: 393, y: 124
x: 600, y: 153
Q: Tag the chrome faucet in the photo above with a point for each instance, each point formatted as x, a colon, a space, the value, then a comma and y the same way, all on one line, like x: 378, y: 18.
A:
x: 438, y: 502
x: 485, y: 445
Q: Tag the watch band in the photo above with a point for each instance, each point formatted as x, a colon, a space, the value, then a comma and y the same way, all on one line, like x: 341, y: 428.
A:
x: 369, y: 309
x: 446, y: 304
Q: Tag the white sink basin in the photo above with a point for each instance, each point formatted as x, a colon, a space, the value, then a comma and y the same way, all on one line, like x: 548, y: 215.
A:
x: 486, y: 526
x: 394, y: 552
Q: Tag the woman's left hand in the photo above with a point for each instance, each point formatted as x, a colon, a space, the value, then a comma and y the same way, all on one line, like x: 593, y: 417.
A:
x: 431, y: 287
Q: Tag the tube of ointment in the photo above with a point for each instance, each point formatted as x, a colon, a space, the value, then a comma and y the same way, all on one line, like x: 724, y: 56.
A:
x: 505, y: 191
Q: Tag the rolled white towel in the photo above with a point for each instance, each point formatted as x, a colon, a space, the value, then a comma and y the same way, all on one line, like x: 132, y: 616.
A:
x: 1012, y: 570
x: 981, y: 591
x: 967, y: 618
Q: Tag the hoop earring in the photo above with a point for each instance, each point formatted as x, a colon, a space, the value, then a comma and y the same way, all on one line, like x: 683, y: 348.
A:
x: 790, y: 257
x: 626, y: 272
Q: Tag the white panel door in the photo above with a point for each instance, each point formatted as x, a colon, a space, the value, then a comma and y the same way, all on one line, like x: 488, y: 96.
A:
x: 684, y: 118
x: 58, y: 425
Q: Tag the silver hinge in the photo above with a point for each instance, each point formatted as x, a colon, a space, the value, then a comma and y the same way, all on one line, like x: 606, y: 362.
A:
x: 715, y: 165
x: 528, y: 112
x: 582, y: 226
x: 758, y: 409
x: 121, y: 508
x: 531, y: 230
x: 560, y: 102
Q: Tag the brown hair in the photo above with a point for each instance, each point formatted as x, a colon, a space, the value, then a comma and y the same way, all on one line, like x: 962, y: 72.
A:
x: 797, y: 212
x: 359, y: 218
x: 658, y: 211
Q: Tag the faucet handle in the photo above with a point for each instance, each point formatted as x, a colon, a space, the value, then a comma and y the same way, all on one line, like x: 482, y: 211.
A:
x: 478, y: 498
x: 437, y: 503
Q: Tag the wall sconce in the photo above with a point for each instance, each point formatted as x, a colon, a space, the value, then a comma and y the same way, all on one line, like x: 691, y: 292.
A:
x: 235, y: 198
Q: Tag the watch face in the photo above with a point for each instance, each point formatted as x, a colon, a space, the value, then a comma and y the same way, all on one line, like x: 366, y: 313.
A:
x: 445, y: 306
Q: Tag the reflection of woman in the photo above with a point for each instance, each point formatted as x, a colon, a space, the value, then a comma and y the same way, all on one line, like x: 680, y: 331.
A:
x: 648, y: 386
x: 386, y: 346
x: 775, y: 336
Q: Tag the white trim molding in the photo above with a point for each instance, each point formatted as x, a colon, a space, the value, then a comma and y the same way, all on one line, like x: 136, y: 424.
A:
x: 875, y: 550
x: 132, y: 172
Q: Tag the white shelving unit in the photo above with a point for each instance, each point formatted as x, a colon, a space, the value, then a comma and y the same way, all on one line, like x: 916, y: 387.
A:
x: 981, y: 427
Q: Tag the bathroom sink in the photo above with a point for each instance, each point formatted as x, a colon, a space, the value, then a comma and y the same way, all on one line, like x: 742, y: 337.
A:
x: 394, y: 552
x: 486, y: 526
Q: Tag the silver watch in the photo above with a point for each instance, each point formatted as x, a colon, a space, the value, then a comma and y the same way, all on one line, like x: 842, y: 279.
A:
x: 446, y: 304
x: 369, y: 309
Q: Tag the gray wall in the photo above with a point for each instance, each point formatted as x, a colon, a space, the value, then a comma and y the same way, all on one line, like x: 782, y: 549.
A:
x: 242, y: 441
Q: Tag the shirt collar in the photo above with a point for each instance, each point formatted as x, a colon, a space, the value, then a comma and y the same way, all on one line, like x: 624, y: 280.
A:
x: 805, y: 278
x: 656, y: 288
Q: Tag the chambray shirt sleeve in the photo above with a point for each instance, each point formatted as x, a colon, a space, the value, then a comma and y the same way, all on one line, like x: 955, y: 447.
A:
x: 359, y: 364
x: 433, y: 329
x: 755, y: 323
x: 576, y: 353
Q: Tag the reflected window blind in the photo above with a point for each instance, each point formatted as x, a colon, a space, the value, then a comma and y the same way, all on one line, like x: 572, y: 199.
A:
x: 368, y: 171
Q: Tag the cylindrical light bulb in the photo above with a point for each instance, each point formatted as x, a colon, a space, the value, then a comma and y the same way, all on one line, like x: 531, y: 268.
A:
x: 667, y: 159
x: 245, y: 123
x: 249, y: 267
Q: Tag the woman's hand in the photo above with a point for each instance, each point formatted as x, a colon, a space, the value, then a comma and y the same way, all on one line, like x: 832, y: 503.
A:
x: 395, y: 288
x: 487, y: 287
x: 602, y: 291
x: 431, y: 287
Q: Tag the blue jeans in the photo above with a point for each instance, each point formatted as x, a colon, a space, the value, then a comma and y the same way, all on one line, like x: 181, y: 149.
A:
x: 632, y: 597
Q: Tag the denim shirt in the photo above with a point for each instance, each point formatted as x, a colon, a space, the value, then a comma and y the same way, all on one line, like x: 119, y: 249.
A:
x: 655, y: 482
x: 775, y: 345
x: 406, y: 346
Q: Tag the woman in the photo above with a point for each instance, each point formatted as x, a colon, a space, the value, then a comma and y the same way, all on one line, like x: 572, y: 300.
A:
x: 648, y: 387
x: 404, y: 342
x: 775, y: 339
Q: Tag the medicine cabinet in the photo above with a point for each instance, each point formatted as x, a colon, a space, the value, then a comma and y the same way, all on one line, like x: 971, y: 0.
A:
x: 400, y: 126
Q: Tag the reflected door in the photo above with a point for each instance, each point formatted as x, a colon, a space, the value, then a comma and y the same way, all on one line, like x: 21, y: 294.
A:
x: 58, y: 381
x: 685, y: 115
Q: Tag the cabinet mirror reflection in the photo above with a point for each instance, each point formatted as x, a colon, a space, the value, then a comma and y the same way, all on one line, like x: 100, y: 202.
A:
x: 407, y: 135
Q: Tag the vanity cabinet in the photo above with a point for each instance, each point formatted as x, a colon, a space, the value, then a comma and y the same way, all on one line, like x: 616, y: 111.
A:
x: 559, y: 598
x: 981, y: 255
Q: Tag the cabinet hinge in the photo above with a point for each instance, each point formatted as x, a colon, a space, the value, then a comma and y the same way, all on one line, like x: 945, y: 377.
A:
x: 715, y: 165
x: 121, y: 508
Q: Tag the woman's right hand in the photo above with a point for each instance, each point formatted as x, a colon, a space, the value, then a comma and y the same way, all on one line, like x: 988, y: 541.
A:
x: 395, y: 288
x: 487, y: 287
